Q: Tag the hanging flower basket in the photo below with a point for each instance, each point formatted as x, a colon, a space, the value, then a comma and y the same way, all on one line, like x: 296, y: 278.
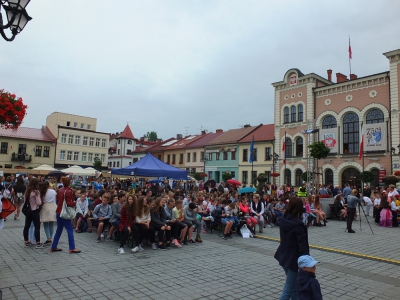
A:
x: 12, y: 110
x: 275, y: 174
x: 202, y: 175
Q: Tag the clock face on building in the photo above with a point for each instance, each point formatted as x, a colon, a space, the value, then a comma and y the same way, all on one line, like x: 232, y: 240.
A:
x: 293, y: 80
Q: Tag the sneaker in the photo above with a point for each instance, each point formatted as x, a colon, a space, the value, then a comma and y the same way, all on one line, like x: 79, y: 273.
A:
x: 136, y: 249
x: 273, y: 225
x: 198, y: 239
x: 269, y: 226
x: 141, y: 248
x: 47, y: 243
x: 108, y: 239
x: 177, y: 244
x: 184, y: 242
x: 15, y: 217
x: 98, y: 240
x: 78, y: 230
x: 102, y: 235
x: 162, y: 247
x: 28, y: 244
x: 39, y: 246
x: 192, y: 242
x: 224, y: 237
x: 121, y: 251
x: 154, y: 246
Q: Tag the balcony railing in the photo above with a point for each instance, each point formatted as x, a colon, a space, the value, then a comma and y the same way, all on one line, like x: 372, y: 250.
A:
x: 21, y: 157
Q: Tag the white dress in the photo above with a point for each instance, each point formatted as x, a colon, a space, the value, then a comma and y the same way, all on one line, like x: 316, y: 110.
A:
x: 48, y: 212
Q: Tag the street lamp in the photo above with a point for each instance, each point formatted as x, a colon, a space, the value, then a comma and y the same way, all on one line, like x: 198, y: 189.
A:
x: 204, y: 159
x: 17, y: 17
x: 275, y: 158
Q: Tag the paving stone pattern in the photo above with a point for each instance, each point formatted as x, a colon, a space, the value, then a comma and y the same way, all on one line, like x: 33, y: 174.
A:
x: 216, y: 269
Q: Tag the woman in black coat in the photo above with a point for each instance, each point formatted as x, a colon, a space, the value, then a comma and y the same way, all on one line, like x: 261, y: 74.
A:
x: 294, y: 243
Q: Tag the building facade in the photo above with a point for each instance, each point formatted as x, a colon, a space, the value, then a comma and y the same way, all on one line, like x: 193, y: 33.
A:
x: 310, y: 108
x: 24, y: 147
x: 78, y: 142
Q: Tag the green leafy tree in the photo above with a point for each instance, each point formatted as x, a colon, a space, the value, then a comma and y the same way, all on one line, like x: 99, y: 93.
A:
x: 97, y: 165
x: 366, y: 176
x: 226, y: 176
x: 390, y: 179
x: 196, y: 176
x: 318, y: 150
x: 151, y: 136
x: 304, y: 175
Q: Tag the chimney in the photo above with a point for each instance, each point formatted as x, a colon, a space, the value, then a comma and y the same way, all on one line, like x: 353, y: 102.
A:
x: 219, y: 131
x: 340, y: 78
x: 179, y: 136
x: 203, y: 132
x: 353, y: 76
x: 246, y: 126
x: 159, y: 140
x: 329, y: 74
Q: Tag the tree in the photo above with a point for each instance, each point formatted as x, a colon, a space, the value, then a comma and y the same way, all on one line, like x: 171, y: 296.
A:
x: 318, y: 150
x: 12, y: 110
x: 97, y: 165
x: 390, y: 179
x: 304, y: 175
x: 366, y: 176
x: 151, y: 136
x: 226, y: 176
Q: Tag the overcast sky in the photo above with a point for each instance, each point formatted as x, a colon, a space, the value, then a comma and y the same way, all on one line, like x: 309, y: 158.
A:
x: 179, y: 66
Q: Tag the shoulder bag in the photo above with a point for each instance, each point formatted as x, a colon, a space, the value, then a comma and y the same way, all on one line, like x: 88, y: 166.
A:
x: 67, y: 213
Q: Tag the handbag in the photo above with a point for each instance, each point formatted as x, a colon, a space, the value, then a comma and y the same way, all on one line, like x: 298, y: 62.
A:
x: 7, y: 208
x: 26, y: 208
x: 67, y: 213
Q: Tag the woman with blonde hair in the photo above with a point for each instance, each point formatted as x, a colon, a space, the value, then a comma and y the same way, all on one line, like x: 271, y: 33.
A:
x: 143, y: 219
x: 48, y: 212
x: 64, y: 194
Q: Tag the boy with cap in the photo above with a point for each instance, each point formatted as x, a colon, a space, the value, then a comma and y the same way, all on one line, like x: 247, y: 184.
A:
x: 307, y: 286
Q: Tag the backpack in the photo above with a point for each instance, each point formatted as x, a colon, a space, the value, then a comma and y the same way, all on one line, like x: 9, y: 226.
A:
x: 7, y: 208
x: 20, y: 197
x: 26, y: 208
x: 6, y: 192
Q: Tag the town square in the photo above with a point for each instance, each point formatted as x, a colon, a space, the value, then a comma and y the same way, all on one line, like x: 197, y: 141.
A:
x: 199, y: 150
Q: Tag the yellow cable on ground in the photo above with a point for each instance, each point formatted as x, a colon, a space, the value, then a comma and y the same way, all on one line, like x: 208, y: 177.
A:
x: 387, y: 260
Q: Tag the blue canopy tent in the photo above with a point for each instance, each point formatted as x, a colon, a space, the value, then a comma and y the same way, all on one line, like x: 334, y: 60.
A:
x: 149, y: 166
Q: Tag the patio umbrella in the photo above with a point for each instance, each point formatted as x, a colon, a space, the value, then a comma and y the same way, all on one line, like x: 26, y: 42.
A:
x: 211, y: 182
x: 247, y: 189
x: 56, y: 173
x: 45, y: 168
x: 233, y: 182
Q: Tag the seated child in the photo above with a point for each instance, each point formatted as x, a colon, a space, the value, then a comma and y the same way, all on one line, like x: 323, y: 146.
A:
x: 307, y: 286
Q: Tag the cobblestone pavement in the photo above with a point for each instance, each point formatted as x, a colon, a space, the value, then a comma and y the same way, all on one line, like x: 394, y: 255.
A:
x: 216, y: 269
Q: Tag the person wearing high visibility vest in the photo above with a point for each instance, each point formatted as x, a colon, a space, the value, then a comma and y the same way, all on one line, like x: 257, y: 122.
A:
x: 302, y: 192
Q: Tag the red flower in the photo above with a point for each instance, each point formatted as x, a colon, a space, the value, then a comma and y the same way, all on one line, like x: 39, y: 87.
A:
x: 12, y: 110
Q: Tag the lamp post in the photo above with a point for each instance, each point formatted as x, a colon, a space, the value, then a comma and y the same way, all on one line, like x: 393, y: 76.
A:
x: 275, y: 158
x: 17, y: 17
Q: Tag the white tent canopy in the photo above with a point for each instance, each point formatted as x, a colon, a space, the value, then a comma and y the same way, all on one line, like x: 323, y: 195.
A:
x: 44, y: 168
x: 77, y: 170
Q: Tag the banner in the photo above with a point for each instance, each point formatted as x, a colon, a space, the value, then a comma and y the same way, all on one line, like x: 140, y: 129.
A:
x: 330, y: 138
x: 375, y: 137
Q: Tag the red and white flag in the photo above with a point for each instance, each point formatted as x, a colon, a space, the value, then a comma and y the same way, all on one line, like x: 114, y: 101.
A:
x: 284, y: 151
x: 350, y: 53
x: 361, y: 143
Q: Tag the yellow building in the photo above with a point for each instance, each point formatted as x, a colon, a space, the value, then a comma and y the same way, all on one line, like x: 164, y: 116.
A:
x: 78, y: 142
x: 263, y: 149
x: 26, y: 148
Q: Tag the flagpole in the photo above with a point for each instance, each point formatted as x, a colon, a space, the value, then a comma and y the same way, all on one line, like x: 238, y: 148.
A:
x: 284, y: 171
x: 362, y: 132
x: 350, y: 55
x: 252, y: 155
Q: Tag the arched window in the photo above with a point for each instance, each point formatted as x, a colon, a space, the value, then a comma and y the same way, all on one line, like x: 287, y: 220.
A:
x: 286, y: 115
x: 375, y: 116
x: 293, y: 114
x: 329, y: 122
x: 299, y: 179
x: 288, y: 176
x: 328, y: 177
x: 299, y: 146
x: 289, y: 148
x: 300, y: 113
x: 350, y: 133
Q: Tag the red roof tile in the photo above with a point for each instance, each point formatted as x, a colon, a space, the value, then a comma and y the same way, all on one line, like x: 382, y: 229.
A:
x: 204, y: 140
x: 126, y: 134
x: 232, y: 136
x: 27, y: 133
x: 262, y: 133
x: 179, y: 144
x: 160, y: 146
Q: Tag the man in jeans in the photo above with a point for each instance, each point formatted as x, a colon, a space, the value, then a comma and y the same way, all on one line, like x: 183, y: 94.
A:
x: 102, y: 213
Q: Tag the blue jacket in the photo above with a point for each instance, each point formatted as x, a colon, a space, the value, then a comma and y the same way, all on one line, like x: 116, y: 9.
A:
x: 307, y: 286
x: 294, y: 242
